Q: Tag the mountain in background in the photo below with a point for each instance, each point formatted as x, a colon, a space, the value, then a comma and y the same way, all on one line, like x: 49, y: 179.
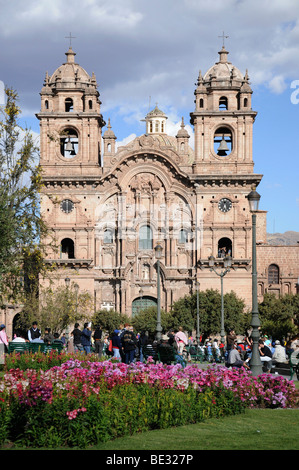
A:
x: 286, y: 238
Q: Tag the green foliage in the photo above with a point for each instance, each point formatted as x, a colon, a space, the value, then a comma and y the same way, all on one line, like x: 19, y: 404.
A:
x: 146, y: 320
x: 124, y: 410
x: 184, y: 312
x: 43, y: 361
x: 56, y: 308
x: 21, y: 225
x: 279, y: 316
x: 109, y: 320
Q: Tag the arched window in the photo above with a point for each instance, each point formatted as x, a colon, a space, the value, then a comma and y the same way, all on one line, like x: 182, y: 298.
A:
x: 223, y: 141
x: 157, y: 126
x: 273, y: 274
x: 223, y: 103
x: 224, y: 247
x: 69, y: 105
x: 245, y: 102
x: 201, y: 103
x: 108, y: 236
x: 90, y: 104
x: 47, y: 104
x: 145, y: 238
x: 67, y: 249
x: 69, y: 143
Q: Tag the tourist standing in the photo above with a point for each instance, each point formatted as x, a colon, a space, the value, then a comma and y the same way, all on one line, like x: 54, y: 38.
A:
x: 129, y: 343
x: 98, y: 343
x: 76, y: 334
x: 86, y: 338
x: 3, y: 336
x: 181, y: 340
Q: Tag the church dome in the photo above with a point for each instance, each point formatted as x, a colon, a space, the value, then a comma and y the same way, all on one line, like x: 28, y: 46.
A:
x: 223, y: 70
x: 71, y: 74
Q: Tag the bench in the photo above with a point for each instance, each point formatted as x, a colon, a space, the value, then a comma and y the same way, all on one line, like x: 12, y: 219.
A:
x: 33, y: 347
x: 196, y: 354
x: 149, y: 351
x: 288, y: 368
x: 167, y: 355
x: 18, y: 347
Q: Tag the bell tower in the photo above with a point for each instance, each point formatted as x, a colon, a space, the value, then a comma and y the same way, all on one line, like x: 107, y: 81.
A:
x: 70, y: 121
x: 70, y: 156
x: 223, y: 172
x: 223, y: 120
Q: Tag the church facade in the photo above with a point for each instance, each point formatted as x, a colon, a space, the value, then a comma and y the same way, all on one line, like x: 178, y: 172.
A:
x: 109, y: 208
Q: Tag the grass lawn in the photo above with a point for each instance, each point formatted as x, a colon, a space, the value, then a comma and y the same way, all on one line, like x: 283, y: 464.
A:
x: 255, y: 430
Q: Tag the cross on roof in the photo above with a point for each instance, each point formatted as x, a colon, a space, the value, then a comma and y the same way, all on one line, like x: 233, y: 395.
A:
x: 223, y: 38
x: 70, y: 37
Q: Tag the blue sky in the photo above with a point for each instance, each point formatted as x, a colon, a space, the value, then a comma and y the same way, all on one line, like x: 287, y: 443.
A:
x: 145, y: 51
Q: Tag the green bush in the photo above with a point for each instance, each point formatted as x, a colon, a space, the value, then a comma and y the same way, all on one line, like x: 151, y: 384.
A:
x: 124, y: 410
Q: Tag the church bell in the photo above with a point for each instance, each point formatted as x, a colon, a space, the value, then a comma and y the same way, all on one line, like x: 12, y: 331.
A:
x: 223, y: 148
x: 70, y: 147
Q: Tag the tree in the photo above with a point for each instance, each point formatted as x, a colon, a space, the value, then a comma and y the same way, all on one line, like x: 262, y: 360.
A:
x: 184, y: 312
x: 279, y: 316
x: 56, y: 309
x: 21, y: 225
x: 146, y: 320
x: 110, y: 320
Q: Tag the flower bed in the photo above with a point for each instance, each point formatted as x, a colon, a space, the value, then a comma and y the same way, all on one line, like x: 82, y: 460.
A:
x: 82, y: 403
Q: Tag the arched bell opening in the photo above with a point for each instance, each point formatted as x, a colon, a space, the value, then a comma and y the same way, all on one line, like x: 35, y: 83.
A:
x: 69, y: 143
x: 223, y: 141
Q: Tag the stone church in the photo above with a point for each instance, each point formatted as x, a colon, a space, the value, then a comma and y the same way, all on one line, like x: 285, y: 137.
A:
x: 110, y: 208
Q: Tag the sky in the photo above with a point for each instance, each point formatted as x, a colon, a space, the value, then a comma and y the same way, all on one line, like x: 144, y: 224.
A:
x: 146, y: 52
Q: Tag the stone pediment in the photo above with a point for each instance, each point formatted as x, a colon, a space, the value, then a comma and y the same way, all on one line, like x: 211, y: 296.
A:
x: 148, y: 141
x: 163, y: 142
x: 145, y: 160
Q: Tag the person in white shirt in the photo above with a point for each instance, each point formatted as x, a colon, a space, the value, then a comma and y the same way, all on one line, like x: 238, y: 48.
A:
x: 181, y: 340
x: 18, y: 338
x: 279, y: 355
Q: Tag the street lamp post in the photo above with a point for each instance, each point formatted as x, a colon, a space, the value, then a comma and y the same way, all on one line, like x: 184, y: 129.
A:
x: 67, y: 283
x: 76, y: 290
x: 197, y: 314
x: 227, y: 262
x: 255, y: 361
x: 141, y: 298
x: 158, y: 253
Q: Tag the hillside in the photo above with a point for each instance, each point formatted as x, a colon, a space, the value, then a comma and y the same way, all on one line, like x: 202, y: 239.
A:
x: 286, y: 238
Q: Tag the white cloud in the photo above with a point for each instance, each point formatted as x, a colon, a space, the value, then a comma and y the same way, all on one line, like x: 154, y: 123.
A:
x: 126, y: 140
x: 20, y: 17
x: 277, y: 84
x: 140, y: 49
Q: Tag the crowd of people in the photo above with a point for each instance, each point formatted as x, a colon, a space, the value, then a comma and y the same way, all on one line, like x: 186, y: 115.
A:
x: 273, y: 353
x: 32, y: 335
x: 126, y: 346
